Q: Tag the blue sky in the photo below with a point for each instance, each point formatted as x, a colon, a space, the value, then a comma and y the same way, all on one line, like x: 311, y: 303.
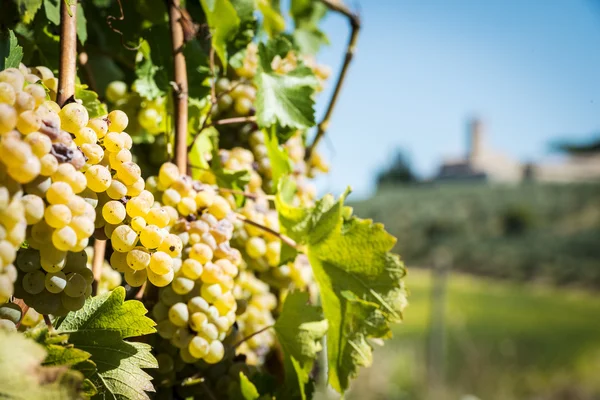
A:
x: 529, y: 68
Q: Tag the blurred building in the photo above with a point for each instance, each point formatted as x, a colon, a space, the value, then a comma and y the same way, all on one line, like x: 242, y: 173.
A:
x: 483, y: 163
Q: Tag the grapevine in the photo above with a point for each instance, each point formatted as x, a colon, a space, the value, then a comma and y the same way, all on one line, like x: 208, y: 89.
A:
x: 180, y: 181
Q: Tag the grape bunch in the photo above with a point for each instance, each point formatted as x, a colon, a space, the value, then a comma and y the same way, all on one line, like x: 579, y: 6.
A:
x: 79, y: 179
x: 197, y: 310
x: 12, y: 231
x: 257, y: 304
x: 57, y: 292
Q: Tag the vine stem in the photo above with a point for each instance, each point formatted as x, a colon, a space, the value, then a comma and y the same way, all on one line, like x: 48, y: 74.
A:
x: 67, y: 69
x: 354, y: 21
x: 250, y: 336
x: 49, y: 324
x: 97, y: 262
x: 180, y: 94
x: 235, y: 120
x: 287, y: 240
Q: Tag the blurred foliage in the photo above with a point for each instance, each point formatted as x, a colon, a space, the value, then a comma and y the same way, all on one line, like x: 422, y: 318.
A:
x: 523, y: 232
x: 398, y: 171
x: 503, y: 341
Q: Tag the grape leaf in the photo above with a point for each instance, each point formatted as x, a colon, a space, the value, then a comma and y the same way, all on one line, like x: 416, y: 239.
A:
x: 359, y: 279
x: 223, y: 22
x: 23, y: 377
x: 246, y: 31
x: 52, y: 9
x: 99, y: 329
x: 307, y: 14
x: 28, y: 9
x: 90, y: 101
x: 109, y: 312
x: 273, y: 22
x: 299, y: 329
x: 280, y: 162
x: 10, y: 51
x: 81, y: 24
x: 245, y: 391
x: 145, y: 85
x: 286, y: 100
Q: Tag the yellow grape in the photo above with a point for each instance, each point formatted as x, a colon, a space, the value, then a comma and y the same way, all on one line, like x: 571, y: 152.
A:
x: 64, y: 238
x: 138, y: 258
x: 57, y: 215
x: 59, y: 193
x: 73, y: 117
x: 161, y: 263
x: 114, y: 212
x: 123, y: 238
x: 98, y: 178
x: 151, y: 236
x: 118, y: 121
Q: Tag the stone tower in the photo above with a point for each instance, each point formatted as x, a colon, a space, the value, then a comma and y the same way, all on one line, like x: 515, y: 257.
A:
x: 475, y: 141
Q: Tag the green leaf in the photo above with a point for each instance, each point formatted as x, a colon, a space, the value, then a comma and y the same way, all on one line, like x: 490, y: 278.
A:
x: 359, y: 279
x: 28, y: 9
x: 99, y: 329
x: 198, y: 154
x: 23, y: 377
x: 110, y: 313
x: 10, y: 51
x: 90, y: 101
x: 307, y: 14
x: 223, y: 22
x: 286, y: 100
x: 197, y: 70
x: 300, y: 328
x: 145, y: 70
x: 278, y: 157
x: 273, y: 21
x: 52, y: 9
x: 305, y: 225
x: 310, y: 40
x: 245, y: 391
x: 81, y: 23
x: 64, y: 355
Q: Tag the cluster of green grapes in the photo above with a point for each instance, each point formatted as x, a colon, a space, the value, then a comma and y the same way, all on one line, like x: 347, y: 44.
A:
x: 53, y: 293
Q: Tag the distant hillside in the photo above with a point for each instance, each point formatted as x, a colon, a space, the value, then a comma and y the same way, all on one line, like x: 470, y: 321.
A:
x: 524, y: 232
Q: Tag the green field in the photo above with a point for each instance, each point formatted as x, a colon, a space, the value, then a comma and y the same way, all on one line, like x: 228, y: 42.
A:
x: 524, y: 232
x: 503, y: 341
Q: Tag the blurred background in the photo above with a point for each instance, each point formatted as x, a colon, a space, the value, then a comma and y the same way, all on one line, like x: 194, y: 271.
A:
x: 471, y: 129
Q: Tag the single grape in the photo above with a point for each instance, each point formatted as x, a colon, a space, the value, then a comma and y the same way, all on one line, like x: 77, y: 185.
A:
x: 215, y: 353
x: 73, y: 117
x: 178, y: 314
x: 56, y: 282
x: 135, y: 278
x: 72, y: 303
x: 76, y: 285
